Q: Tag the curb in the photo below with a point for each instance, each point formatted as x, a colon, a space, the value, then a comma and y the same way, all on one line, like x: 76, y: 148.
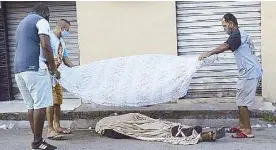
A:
x: 157, y: 114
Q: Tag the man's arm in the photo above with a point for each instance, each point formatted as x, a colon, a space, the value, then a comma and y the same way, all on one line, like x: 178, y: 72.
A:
x: 232, y: 43
x: 47, y: 51
x: 67, y: 62
x: 43, y: 32
x: 220, y: 49
x: 65, y: 58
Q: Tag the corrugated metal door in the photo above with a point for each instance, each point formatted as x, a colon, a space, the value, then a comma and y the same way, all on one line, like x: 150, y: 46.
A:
x: 67, y: 10
x: 199, y: 29
x: 4, y: 67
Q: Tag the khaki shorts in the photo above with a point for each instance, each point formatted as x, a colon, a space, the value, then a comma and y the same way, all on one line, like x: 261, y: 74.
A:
x: 57, y: 94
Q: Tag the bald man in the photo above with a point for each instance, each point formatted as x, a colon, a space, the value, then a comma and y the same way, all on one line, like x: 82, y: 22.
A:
x: 60, y: 55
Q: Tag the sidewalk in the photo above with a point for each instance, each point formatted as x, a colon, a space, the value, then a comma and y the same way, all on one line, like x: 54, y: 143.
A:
x: 84, y: 115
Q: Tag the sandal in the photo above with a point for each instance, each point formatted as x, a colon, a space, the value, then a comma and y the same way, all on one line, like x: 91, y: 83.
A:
x: 64, y: 131
x: 242, y: 135
x: 56, y: 137
x: 233, y: 130
x: 52, y: 135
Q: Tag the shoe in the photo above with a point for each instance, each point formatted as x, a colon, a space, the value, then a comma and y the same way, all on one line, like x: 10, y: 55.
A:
x: 42, y: 145
x: 221, y: 133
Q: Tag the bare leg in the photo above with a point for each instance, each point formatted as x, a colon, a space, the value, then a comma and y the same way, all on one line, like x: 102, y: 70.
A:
x: 57, y: 125
x: 50, y: 119
x: 57, y: 117
x: 245, y: 115
x: 241, y: 121
x: 52, y: 134
x: 39, y: 118
x: 31, y: 119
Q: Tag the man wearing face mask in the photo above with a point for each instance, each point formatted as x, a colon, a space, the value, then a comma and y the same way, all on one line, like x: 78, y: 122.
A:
x: 250, y: 71
x: 60, y: 55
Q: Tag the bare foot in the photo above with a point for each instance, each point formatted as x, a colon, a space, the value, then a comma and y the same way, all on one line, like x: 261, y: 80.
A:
x: 247, y: 131
x: 53, y: 135
x: 62, y: 130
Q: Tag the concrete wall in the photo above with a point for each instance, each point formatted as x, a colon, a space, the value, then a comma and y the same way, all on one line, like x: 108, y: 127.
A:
x: 268, y: 49
x: 111, y: 29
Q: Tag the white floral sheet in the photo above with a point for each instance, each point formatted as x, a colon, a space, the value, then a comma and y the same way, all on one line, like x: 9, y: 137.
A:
x: 132, y: 81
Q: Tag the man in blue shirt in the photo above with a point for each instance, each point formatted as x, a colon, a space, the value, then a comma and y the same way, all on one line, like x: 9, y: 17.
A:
x: 250, y: 71
x: 33, y: 56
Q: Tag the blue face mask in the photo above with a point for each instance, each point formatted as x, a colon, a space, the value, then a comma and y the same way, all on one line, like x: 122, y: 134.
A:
x: 64, y: 33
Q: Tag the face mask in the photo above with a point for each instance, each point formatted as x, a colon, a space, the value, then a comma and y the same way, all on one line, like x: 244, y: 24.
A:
x: 64, y: 33
x: 227, y: 30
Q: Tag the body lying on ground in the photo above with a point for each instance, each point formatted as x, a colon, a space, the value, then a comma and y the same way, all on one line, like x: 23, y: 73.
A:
x: 138, y: 126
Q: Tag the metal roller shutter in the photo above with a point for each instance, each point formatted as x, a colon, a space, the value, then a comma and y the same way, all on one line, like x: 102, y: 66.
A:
x: 5, y: 84
x: 199, y: 29
x: 16, y: 11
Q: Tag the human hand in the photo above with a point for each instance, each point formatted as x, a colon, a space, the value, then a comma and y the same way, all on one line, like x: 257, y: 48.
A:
x: 202, y: 56
x: 56, y: 73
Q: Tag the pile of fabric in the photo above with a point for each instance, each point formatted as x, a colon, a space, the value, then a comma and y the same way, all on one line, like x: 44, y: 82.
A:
x: 141, y: 127
x: 140, y: 80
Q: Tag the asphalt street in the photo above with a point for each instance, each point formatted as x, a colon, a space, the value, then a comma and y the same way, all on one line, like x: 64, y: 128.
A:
x: 87, y: 140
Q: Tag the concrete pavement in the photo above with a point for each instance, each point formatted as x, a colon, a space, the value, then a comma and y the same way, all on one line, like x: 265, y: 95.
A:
x: 204, y: 112
x: 85, y: 140
x: 182, y: 109
x: 213, y: 112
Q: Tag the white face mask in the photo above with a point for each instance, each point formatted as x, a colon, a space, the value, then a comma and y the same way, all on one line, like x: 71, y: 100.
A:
x: 227, y: 30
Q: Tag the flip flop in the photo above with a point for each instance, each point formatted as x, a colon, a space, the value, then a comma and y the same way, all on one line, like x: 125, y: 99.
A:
x: 233, y: 130
x: 64, y: 131
x: 241, y: 135
x: 56, y: 137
